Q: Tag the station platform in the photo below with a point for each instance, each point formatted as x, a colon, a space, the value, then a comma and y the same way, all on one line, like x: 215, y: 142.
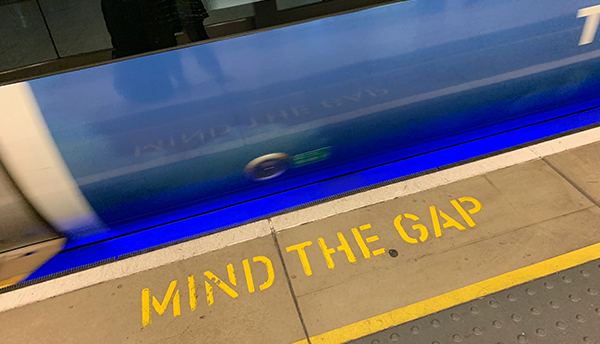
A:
x: 504, y: 249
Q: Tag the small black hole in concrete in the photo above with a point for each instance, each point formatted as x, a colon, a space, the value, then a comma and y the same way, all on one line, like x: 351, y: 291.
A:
x: 393, y: 253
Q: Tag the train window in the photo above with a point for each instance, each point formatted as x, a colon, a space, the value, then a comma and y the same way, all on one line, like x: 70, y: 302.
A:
x: 24, y: 38
x: 286, y: 4
x: 42, y: 37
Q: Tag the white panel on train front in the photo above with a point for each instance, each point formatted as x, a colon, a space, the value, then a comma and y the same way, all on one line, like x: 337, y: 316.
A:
x: 32, y: 159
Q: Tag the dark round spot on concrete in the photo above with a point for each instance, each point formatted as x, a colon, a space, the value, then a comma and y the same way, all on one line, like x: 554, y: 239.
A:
x: 393, y: 253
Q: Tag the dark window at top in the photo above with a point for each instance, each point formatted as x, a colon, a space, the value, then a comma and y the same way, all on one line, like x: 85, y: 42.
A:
x: 40, y: 37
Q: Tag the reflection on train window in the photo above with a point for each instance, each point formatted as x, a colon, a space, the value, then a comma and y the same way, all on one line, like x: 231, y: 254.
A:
x: 24, y: 39
x: 41, y: 37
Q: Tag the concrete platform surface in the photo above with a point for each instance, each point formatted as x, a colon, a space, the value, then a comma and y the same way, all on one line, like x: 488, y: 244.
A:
x: 561, y: 308
x: 370, y: 267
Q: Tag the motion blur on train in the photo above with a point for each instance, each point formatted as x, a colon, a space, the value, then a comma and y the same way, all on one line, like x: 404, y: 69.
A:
x: 180, y: 116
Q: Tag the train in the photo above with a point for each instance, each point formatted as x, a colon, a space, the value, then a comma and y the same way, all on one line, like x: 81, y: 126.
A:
x: 97, y: 149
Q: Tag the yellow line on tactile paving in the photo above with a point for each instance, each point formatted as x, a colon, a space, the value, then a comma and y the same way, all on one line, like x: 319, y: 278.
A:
x: 456, y: 297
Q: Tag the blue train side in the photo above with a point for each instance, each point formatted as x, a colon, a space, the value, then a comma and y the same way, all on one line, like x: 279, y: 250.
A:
x: 160, y: 132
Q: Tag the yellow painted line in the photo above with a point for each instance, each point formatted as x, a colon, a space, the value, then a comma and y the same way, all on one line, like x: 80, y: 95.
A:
x: 456, y: 297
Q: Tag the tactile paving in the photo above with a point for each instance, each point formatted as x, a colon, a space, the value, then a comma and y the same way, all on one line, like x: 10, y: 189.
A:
x: 563, y: 308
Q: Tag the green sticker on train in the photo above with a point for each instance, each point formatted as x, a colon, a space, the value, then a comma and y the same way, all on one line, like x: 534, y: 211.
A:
x: 311, y: 157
